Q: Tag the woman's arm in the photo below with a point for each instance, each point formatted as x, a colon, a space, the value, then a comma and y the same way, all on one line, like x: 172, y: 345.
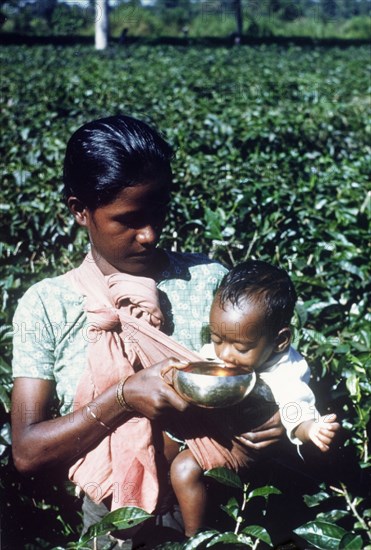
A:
x: 40, y: 440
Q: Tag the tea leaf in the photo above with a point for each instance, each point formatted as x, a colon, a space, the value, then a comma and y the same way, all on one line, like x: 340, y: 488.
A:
x: 225, y: 476
x: 323, y: 535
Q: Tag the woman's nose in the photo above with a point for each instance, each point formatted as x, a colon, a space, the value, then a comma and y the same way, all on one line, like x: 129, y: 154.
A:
x: 147, y: 235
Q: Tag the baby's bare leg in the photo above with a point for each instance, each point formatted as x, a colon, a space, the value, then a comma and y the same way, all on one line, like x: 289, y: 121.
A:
x: 188, y: 483
x: 171, y: 448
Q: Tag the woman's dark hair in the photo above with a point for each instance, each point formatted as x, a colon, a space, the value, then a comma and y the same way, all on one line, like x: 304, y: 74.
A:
x: 264, y: 284
x: 106, y: 155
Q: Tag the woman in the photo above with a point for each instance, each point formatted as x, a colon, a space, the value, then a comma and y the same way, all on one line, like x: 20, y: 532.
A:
x: 83, y: 337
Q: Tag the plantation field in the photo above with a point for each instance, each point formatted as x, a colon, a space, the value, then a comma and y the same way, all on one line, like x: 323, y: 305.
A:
x: 272, y: 161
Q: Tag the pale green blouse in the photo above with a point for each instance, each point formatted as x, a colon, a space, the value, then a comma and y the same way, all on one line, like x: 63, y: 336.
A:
x: 51, y: 331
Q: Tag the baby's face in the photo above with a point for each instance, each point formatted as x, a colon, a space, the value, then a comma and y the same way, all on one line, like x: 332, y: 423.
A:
x: 238, y: 335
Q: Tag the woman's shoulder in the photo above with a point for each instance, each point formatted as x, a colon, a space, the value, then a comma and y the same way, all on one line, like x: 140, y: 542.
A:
x: 184, y: 261
x: 51, y: 293
x: 55, y: 285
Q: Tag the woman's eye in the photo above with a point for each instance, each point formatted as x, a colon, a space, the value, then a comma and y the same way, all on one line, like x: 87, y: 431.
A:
x: 123, y: 220
x: 132, y: 221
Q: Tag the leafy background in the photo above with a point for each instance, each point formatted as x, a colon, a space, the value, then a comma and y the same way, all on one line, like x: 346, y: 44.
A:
x: 272, y: 162
x: 348, y: 19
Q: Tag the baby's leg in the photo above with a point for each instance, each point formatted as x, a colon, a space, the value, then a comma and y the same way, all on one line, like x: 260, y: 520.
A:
x: 188, y: 483
x: 171, y: 448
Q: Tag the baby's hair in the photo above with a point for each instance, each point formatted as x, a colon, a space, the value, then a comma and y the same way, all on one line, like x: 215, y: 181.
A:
x: 105, y: 156
x: 261, y: 283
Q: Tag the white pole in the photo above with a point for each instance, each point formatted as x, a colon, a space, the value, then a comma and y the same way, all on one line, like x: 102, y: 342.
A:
x: 101, y: 24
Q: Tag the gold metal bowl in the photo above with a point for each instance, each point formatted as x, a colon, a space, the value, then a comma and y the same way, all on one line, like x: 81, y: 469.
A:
x: 211, y: 386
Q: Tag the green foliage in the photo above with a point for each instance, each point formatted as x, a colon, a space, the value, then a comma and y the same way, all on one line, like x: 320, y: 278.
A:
x: 325, y: 534
x: 357, y: 27
x: 248, y: 537
x: 272, y: 162
x: 123, y: 518
x: 227, y: 477
x: 348, y: 20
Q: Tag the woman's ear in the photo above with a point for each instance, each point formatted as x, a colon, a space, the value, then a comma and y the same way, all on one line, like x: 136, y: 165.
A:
x: 282, y: 340
x: 78, y: 210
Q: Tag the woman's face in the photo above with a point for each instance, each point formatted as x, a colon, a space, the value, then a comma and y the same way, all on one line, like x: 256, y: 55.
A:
x: 124, y: 234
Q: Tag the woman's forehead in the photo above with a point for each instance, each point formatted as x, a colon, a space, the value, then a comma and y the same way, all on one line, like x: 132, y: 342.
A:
x: 148, y: 193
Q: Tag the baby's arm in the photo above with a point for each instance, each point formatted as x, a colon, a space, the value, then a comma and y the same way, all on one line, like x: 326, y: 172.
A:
x: 320, y: 432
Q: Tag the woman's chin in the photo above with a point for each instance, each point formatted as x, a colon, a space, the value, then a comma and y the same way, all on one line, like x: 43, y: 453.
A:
x: 142, y: 264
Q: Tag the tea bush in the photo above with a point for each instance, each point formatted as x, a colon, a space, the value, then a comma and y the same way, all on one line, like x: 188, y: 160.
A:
x: 272, y: 162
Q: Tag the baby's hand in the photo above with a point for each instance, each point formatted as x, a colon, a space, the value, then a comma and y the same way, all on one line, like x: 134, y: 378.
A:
x: 322, y: 433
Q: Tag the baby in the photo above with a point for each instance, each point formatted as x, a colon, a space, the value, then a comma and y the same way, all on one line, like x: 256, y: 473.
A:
x: 250, y: 329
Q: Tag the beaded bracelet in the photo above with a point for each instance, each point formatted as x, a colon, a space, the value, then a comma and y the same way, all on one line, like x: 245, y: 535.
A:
x: 120, y: 397
x: 93, y: 415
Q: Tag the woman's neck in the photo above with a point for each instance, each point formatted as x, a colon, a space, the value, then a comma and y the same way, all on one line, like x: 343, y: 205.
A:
x: 154, y: 271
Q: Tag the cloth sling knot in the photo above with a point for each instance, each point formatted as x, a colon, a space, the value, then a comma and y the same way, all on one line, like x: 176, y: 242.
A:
x: 138, y: 296
x: 103, y: 319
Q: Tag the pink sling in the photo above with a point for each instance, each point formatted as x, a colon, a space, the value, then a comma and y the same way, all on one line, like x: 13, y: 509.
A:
x: 124, y: 322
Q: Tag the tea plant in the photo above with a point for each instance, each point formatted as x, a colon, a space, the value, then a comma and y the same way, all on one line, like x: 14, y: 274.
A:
x: 247, y: 536
x: 325, y: 533
x: 123, y: 518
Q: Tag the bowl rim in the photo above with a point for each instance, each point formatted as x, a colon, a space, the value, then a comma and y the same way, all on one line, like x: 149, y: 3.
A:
x: 214, y: 364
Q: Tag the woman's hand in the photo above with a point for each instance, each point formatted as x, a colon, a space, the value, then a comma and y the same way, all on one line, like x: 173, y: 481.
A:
x: 148, y: 393
x: 39, y: 440
x: 269, y: 433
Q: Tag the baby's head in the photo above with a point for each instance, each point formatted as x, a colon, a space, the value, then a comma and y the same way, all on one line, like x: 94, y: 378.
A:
x: 250, y: 315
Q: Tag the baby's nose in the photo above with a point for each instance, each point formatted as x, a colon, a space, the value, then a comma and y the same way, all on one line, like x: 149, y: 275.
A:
x: 226, y: 355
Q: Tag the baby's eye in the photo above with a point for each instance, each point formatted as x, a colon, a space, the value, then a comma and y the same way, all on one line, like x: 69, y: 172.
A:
x: 215, y: 339
x: 241, y: 349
